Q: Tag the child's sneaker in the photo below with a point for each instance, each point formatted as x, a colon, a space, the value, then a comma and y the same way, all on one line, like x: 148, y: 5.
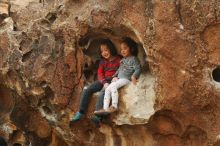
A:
x: 96, y: 120
x: 101, y: 112
x: 112, y: 109
x: 77, y: 117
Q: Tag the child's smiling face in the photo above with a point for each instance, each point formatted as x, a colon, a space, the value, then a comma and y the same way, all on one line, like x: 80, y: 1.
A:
x: 125, y: 50
x: 105, y: 52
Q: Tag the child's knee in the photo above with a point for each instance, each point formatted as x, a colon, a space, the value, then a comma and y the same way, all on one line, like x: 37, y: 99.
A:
x: 115, y: 92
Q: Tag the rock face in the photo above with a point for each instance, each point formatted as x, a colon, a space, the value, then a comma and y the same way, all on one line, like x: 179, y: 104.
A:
x: 48, y: 50
x: 4, y: 7
x: 136, y: 105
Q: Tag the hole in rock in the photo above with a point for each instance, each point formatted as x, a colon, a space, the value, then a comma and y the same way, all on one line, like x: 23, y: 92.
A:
x: 17, y: 144
x: 26, y: 56
x: 138, y: 100
x: 17, y: 138
x: 47, y: 110
x: 51, y: 17
x: 216, y: 74
x: 2, y: 17
x: 49, y: 92
x: 91, y: 44
x: 194, y: 135
x: 164, y: 122
x: 43, y: 84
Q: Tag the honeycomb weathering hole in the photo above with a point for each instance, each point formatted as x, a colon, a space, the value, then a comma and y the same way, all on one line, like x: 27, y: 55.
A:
x: 90, y: 43
x: 216, y: 74
x: 17, y: 144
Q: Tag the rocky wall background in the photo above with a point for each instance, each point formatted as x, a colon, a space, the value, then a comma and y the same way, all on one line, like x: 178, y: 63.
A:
x: 48, y: 50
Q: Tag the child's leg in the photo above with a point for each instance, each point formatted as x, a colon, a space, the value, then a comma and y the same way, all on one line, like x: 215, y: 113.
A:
x: 86, y: 95
x: 100, y: 100
x: 85, y: 98
x: 107, y: 97
x: 114, y: 90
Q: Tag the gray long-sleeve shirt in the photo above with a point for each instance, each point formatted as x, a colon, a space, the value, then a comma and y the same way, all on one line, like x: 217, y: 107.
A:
x: 129, y: 66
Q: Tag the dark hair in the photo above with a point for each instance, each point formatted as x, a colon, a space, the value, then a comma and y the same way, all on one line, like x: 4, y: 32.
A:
x: 110, y: 46
x: 131, y: 44
x: 3, y: 142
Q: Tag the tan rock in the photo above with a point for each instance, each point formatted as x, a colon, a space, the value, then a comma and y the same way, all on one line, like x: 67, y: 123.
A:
x: 4, y: 7
x: 7, y: 25
x: 136, y: 102
x: 43, y: 49
x: 17, y: 5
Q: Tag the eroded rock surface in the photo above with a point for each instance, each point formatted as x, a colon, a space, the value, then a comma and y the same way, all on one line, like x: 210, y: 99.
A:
x: 48, y: 50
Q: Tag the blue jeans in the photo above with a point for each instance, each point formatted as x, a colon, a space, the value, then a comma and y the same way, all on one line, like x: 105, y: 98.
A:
x: 87, y: 94
x: 100, y: 100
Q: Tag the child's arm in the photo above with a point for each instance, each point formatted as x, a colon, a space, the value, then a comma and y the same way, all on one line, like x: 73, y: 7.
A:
x: 137, y: 70
x: 100, y: 71
x: 116, y: 74
x: 114, y: 77
x: 133, y: 80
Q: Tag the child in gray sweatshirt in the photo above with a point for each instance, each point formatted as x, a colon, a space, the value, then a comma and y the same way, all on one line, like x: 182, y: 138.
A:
x: 128, y: 71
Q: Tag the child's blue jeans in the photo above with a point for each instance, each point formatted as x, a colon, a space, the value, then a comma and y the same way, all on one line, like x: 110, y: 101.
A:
x: 87, y: 94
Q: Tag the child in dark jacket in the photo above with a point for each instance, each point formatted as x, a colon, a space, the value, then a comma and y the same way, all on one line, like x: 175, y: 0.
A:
x: 128, y: 71
x: 107, y: 67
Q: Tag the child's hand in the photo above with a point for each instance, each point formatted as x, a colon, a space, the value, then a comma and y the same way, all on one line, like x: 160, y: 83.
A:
x: 106, y: 85
x: 114, y: 79
x: 133, y: 80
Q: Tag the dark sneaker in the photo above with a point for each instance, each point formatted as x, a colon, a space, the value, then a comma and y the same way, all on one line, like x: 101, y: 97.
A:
x: 77, y: 117
x: 96, y: 120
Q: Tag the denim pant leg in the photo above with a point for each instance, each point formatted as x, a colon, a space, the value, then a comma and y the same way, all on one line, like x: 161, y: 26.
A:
x: 99, y: 102
x: 86, y: 95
